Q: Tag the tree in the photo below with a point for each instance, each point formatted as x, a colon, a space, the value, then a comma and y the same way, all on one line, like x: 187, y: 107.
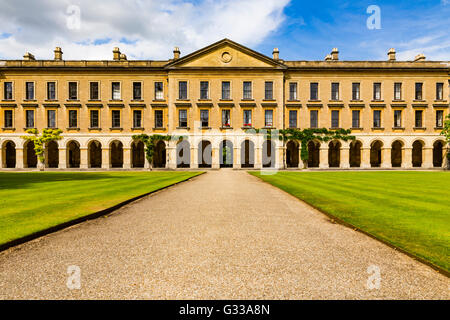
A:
x: 446, y: 132
x: 306, y: 135
x: 150, y: 142
x: 41, y: 142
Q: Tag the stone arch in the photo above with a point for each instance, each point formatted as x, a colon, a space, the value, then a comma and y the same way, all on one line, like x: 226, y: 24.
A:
x: 226, y: 154
x: 355, y: 154
x: 375, y: 153
x: 334, y: 154
x: 29, y: 155
x: 313, y: 154
x: 417, y: 153
x: 52, y: 154
x: 116, y: 154
x: 137, y: 154
x: 159, y: 155
x: 438, y: 153
x: 268, y: 154
x: 204, y: 154
x: 183, y: 154
x: 292, y: 154
x: 397, y: 153
x: 9, y: 154
x: 73, y: 154
x: 95, y: 154
x: 247, y: 154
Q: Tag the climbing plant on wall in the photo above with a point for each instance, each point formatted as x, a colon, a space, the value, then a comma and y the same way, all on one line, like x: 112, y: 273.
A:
x: 446, y: 132
x: 41, y: 141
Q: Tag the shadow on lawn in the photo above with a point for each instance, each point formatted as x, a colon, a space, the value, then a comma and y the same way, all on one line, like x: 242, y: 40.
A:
x: 19, y: 180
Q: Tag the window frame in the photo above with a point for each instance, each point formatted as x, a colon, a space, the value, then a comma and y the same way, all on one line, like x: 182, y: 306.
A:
x: 69, y: 111
x: 4, y: 119
x: 380, y: 125
x: 374, y: 98
x: 311, y: 112
x: 12, y: 91
x: 155, y: 112
x: 155, y: 91
x: 271, y: 91
x: 204, y: 111
x: 317, y: 91
x: 400, y: 92
x: 113, y: 126
x: 441, y: 85
x: 359, y: 91
x: 179, y: 90
x: 333, y: 84
x: 441, y: 112
x: 27, y: 110
x: 179, y: 118
x: 421, y: 98
x: 296, y: 119
x: 77, y: 91
x: 141, y: 83
x: 47, y: 90
x: 207, y: 90
x: 247, y: 124
x: 229, y: 91
x: 224, y: 124
x: 98, y: 90
x: 421, y: 119
x: 26, y: 91
x: 134, y: 111
x: 358, y: 112
x: 296, y: 91
x: 98, y: 119
x: 398, y: 118
x: 48, y: 118
x: 112, y: 90
x: 243, y: 89
x: 266, y: 112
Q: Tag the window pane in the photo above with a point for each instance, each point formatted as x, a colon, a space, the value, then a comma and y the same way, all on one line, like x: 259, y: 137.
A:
x: 293, y: 91
x: 268, y: 118
x: 182, y: 86
x: 29, y: 118
x: 94, y: 119
x: 268, y: 90
x: 439, y: 118
x: 314, y: 91
x: 137, y: 91
x: 159, y: 119
x: 204, y: 118
x: 137, y: 119
x: 418, y: 117
x: 419, y: 91
x: 247, y: 90
x: 182, y: 116
x: 73, y: 118
x: 226, y: 121
x: 51, y: 119
x: 94, y: 91
x: 73, y: 91
x: 248, y: 118
x: 51, y: 91
x: 8, y: 118
x: 159, y: 94
x: 377, y: 91
x: 335, y: 119
x: 397, y: 91
x: 292, y: 118
x: 355, y: 119
x: 30, y: 90
x: 116, y: 91
x: 439, y: 91
x: 355, y: 91
x: 397, y: 118
x: 335, y: 91
x: 226, y: 94
x: 204, y: 87
x: 376, y: 118
x: 8, y: 93
x: 313, y: 118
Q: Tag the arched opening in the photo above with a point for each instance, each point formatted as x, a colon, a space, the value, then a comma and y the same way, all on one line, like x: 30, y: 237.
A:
x: 116, y: 154
x: 52, y: 153
x: 396, y: 154
x: 268, y: 154
x: 292, y: 156
x: 137, y: 154
x: 226, y: 154
x: 9, y: 154
x: 334, y: 154
x: 417, y: 153
x: 247, y: 154
x: 355, y: 154
x: 204, y: 154
x: 73, y: 154
x: 95, y: 154
x: 183, y: 154
x: 313, y: 154
x: 159, y: 157
x: 438, y: 148
x: 375, y: 154
x: 30, y: 158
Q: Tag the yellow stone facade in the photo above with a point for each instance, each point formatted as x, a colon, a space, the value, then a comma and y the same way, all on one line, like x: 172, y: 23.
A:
x: 225, y: 83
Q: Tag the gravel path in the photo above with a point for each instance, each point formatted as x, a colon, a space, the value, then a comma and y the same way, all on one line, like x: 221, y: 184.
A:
x: 223, y: 235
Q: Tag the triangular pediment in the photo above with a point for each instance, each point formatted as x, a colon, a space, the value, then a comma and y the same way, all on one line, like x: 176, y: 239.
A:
x: 225, y: 54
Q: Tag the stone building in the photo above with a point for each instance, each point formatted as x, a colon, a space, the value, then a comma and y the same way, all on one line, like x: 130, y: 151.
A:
x: 214, y: 97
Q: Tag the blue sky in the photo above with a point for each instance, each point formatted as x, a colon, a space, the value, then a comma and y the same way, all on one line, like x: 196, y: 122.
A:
x: 149, y: 29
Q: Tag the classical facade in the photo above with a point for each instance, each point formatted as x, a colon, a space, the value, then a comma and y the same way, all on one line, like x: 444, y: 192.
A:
x: 213, y: 98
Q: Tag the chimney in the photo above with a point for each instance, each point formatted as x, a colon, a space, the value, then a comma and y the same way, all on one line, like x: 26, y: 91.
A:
x: 391, y: 54
x: 328, y: 57
x: 335, y: 54
x: 123, y: 57
x: 116, y: 54
x: 419, y: 57
x: 58, y: 54
x: 176, y: 53
x: 276, y: 54
x: 28, y: 57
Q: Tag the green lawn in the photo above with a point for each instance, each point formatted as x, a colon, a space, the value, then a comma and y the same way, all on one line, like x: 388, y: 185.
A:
x: 33, y: 201
x: 410, y: 210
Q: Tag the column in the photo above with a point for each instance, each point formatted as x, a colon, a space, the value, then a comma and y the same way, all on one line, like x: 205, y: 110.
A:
x: 386, y: 161
x: 280, y: 159
x: 2, y: 165
x: 84, y: 158
x: 237, y: 158
x: 345, y: 158
x: 323, y: 157
x: 126, y: 158
x: 62, y: 155
x: 19, y: 158
x: 171, y: 156
x: 194, y: 157
x: 105, y: 158
x: 407, y: 158
x: 146, y: 163
x: 215, y: 155
x: 365, y: 158
x: 258, y: 157
x: 427, y: 162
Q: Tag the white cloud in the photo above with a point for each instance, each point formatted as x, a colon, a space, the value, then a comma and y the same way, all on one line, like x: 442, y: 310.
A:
x: 142, y: 29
